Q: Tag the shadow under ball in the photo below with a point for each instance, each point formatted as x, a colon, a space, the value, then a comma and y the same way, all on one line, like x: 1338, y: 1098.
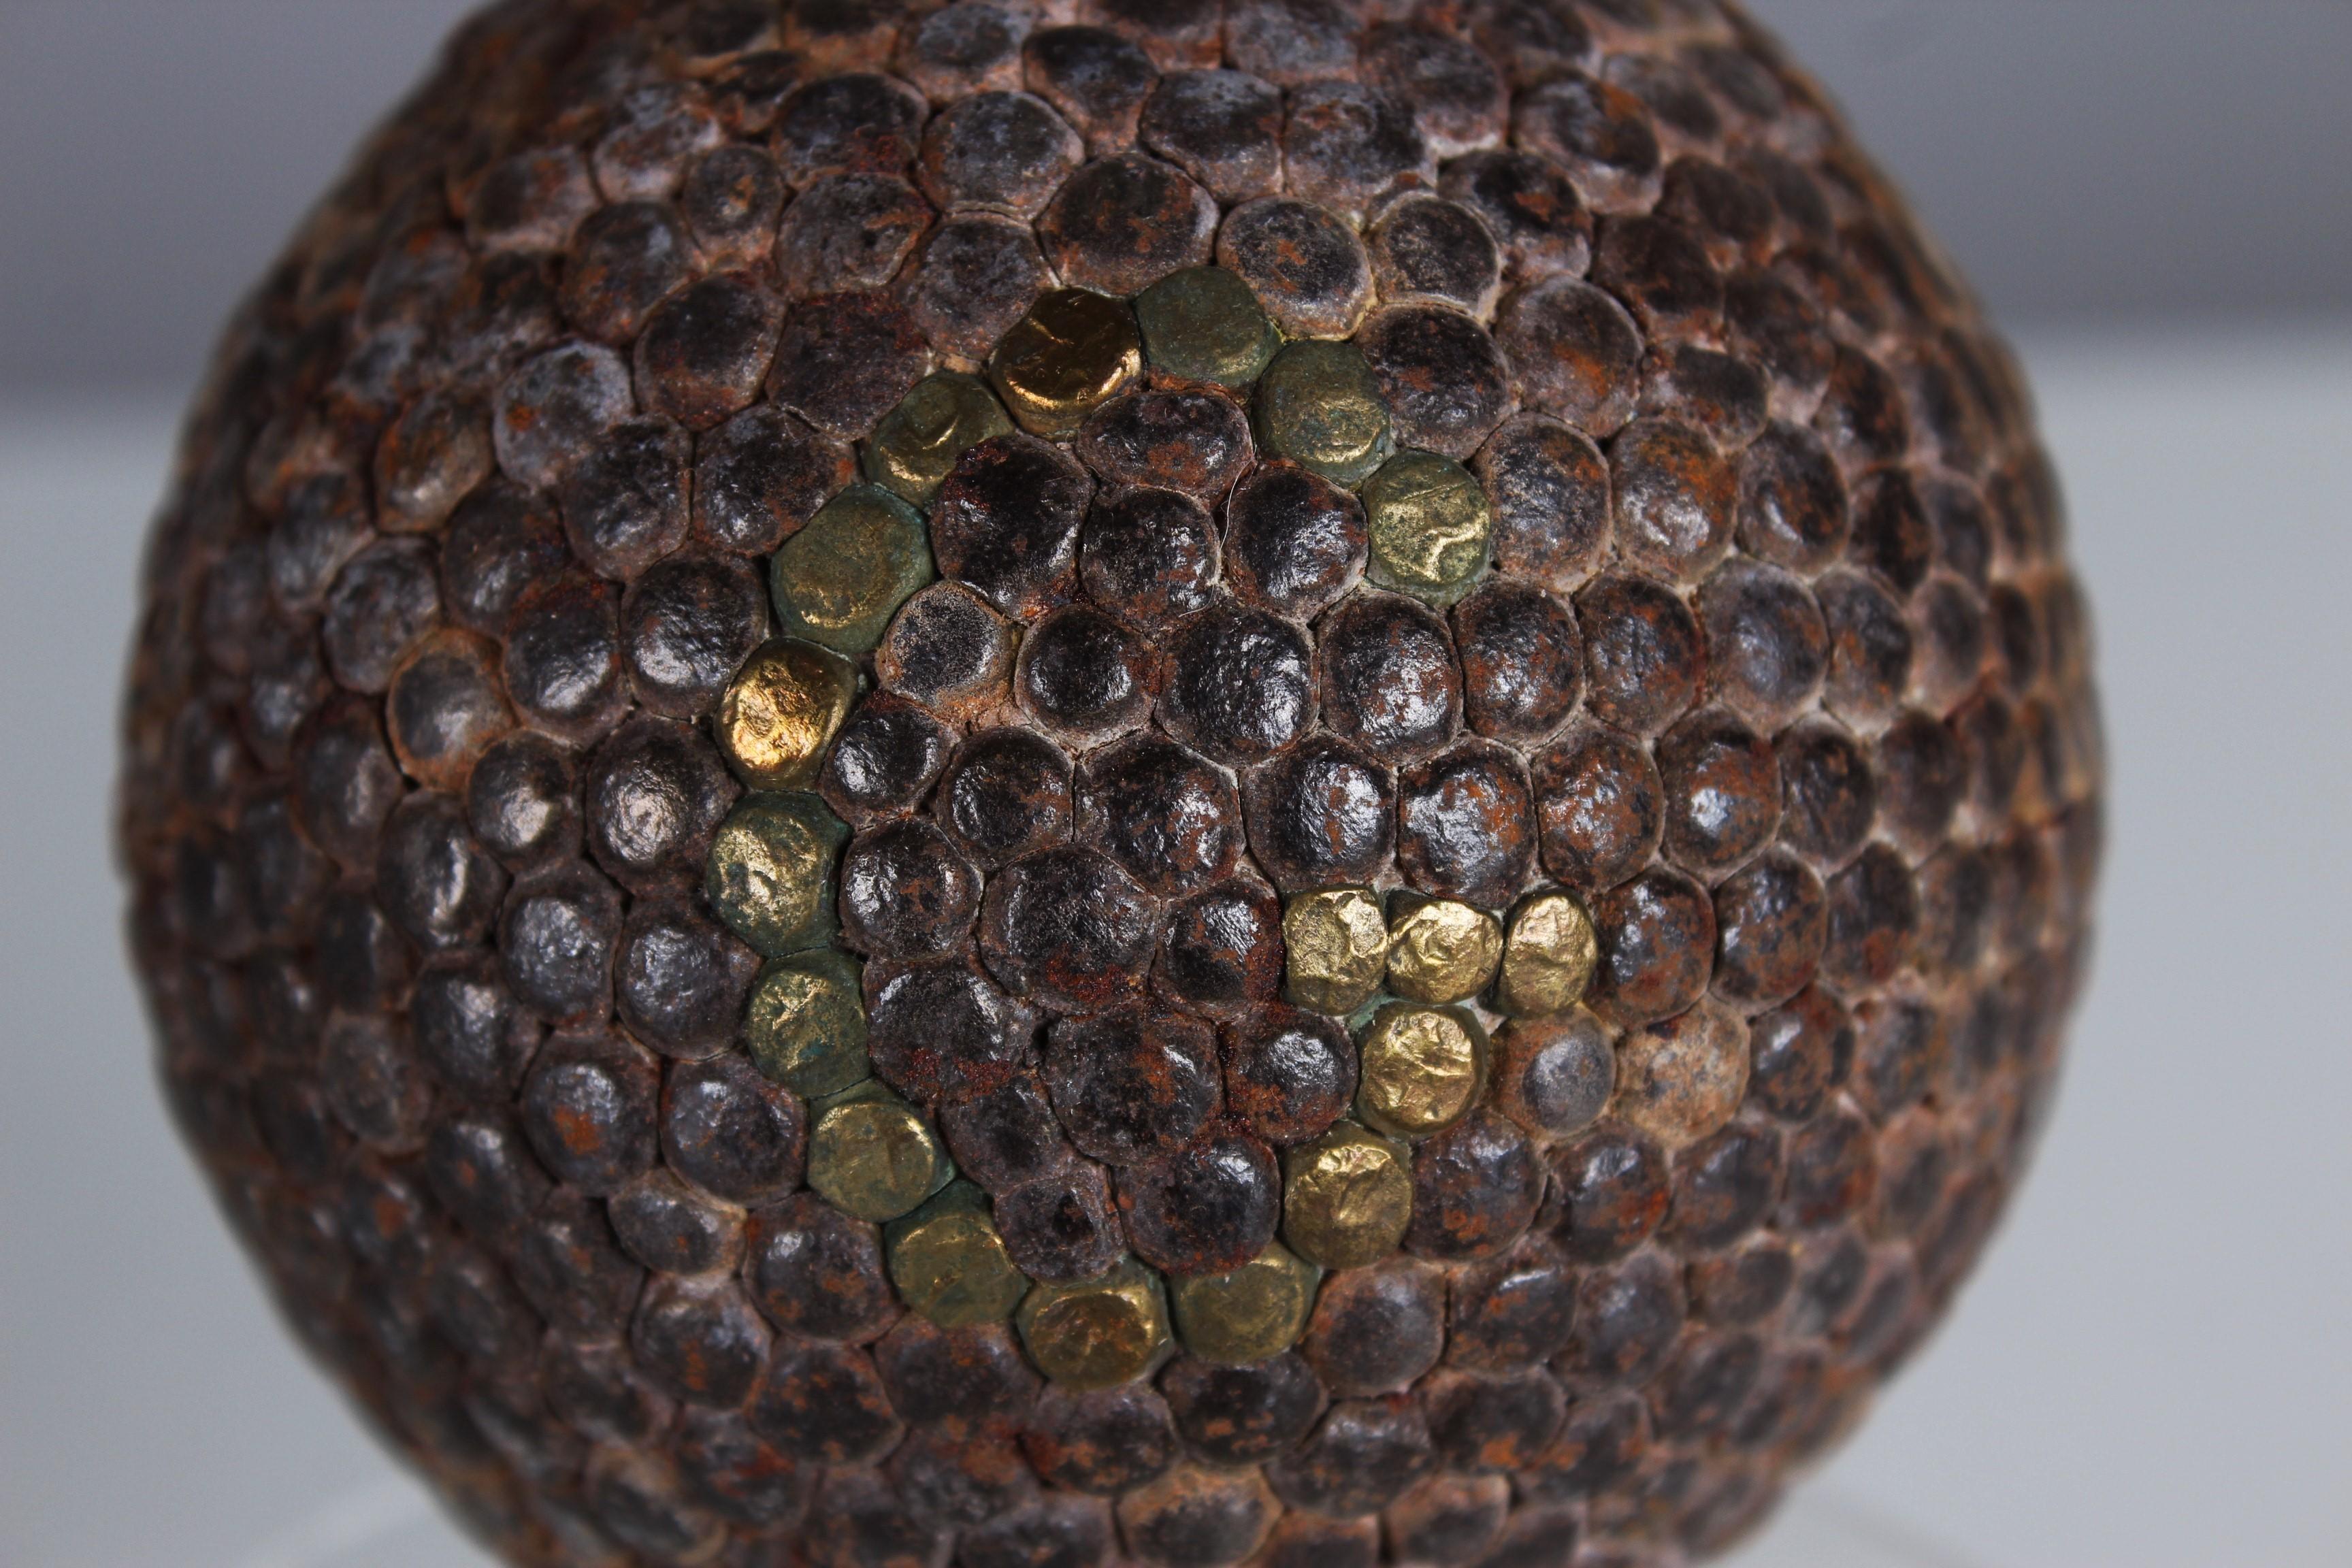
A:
x: 1294, y: 783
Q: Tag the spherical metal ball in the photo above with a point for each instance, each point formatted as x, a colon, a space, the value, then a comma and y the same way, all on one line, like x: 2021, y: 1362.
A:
x: 1054, y: 782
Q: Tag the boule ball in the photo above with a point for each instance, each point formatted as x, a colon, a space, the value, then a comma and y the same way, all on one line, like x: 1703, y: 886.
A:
x: 1304, y: 782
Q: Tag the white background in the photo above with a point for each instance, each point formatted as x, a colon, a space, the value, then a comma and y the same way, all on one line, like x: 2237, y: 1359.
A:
x: 2152, y: 1368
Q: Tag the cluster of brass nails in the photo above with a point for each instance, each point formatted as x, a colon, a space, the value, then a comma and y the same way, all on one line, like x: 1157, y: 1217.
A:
x: 1412, y: 974
x: 1345, y: 943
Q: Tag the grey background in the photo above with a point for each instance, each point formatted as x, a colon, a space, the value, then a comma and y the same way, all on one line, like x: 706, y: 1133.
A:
x: 2151, y: 1371
x: 2082, y: 157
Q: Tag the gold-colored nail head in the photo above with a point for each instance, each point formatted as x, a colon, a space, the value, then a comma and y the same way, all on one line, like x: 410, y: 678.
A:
x: 1318, y: 405
x: 1068, y: 355
x: 1249, y: 1314
x: 840, y: 579
x: 770, y: 875
x: 949, y: 1263
x: 1203, y: 323
x: 1429, y: 527
x: 805, y: 1027
x: 1346, y: 1197
x: 1098, y: 1333
x: 1420, y: 1068
x: 1337, y: 943
x: 1443, y: 950
x: 917, y: 442
x: 1548, y: 957
x: 871, y: 1156
x: 781, y: 711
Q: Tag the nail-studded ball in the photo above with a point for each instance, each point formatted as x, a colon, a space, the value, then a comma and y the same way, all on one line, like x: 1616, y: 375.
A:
x: 1072, y: 782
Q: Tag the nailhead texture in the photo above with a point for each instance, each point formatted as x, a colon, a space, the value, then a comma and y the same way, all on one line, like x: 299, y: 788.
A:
x: 649, y: 740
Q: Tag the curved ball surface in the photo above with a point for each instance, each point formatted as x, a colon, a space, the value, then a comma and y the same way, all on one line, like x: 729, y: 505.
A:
x: 1238, y: 781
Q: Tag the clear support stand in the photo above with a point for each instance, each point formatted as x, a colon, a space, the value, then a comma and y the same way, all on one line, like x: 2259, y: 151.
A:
x: 393, y: 1524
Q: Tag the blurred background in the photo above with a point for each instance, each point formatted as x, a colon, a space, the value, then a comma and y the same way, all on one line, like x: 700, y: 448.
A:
x: 2152, y: 1367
